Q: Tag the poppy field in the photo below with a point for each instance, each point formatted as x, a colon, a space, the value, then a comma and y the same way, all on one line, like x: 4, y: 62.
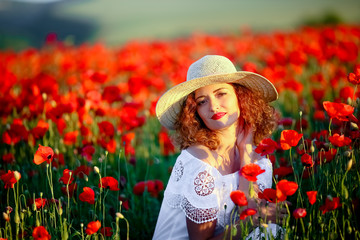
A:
x: 82, y: 155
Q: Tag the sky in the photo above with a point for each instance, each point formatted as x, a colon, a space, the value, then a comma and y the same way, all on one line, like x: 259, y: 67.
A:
x: 117, y: 21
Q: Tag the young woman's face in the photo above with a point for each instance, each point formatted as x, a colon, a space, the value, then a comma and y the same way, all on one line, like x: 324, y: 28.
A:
x: 217, y: 105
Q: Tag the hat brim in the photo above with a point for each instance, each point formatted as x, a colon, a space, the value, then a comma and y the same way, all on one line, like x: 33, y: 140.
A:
x: 170, y: 103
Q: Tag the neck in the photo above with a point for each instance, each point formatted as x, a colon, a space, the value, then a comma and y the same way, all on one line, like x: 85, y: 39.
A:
x: 227, y: 139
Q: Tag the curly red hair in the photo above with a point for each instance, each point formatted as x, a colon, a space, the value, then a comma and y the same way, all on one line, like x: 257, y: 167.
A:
x: 254, y: 113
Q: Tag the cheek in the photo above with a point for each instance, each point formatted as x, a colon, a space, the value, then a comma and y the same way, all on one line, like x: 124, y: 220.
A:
x: 200, y: 112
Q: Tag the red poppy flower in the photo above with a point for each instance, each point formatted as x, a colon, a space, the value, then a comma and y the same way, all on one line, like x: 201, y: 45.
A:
x: 354, y: 77
x: 311, y: 196
x: 8, y: 158
x: 286, y: 187
x: 269, y: 194
x: 294, y: 85
x: 16, y: 133
x: 306, y: 160
x: 283, y: 171
x: 106, y: 128
x: 109, y: 182
x: 239, y: 198
x: 40, y: 233
x: 299, y: 213
x: 67, y: 178
x: 82, y: 170
x: 152, y: 186
x: 328, y: 155
x: 346, y: 92
x: 286, y: 122
x: 111, y: 94
x: 43, y: 154
x: 87, y: 152
x: 339, y: 140
x: 289, y: 138
x: 331, y: 203
x: 10, y: 178
x: 109, y: 144
x: 39, y: 202
x: 70, y: 138
x: 93, y: 227
x: 266, y: 146
x: 106, y: 231
x: 247, y: 212
x: 319, y: 115
x: 165, y: 143
x: 318, y: 94
x: 40, y: 130
x: 251, y: 171
x: 88, y: 195
x: 139, y: 188
x: 340, y: 111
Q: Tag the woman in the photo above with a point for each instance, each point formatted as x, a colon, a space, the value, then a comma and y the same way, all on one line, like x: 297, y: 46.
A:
x: 218, y: 114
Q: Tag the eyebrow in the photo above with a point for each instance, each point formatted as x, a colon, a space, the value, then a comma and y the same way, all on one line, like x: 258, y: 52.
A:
x: 213, y: 92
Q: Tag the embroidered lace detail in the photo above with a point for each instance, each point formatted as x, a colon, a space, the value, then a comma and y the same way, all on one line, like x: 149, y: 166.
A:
x: 178, y: 171
x: 261, y: 186
x: 265, y: 179
x: 204, y: 183
x: 198, y: 215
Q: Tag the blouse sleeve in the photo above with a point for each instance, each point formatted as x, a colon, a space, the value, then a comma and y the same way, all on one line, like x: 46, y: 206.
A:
x: 265, y: 179
x: 193, y: 187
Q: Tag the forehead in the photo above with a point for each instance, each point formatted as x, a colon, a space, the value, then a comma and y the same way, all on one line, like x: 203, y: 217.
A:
x: 211, y: 88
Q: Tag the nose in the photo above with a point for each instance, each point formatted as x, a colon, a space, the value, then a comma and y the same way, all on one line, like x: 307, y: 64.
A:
x: 214, y: 105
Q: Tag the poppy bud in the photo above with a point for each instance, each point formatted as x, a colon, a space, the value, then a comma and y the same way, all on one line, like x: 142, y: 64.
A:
x: 44, y: 96
x: 300, y: 113
x: 96, y: 169
x: 312, y: 148
x: 349, y: 165
x: 81, y: 225
x: 349, y: 101
x: 301, y: 147
x: 17, y: 175
x: 354, y: 126
x: 119, y: 215
x: 6, y: 217
x: 17, y: 218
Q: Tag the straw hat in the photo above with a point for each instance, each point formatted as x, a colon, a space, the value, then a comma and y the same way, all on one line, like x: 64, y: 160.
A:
x: 211, y: 69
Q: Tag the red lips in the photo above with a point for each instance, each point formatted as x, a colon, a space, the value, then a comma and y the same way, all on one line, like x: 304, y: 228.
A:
x: 217, y: 116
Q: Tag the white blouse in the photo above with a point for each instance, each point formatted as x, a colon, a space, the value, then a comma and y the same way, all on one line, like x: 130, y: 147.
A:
x: 198, y: 191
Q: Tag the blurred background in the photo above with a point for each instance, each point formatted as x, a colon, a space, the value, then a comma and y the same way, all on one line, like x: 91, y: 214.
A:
x: 25, y: 23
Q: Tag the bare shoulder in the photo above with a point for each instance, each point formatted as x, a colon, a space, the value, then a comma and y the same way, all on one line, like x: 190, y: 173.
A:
x: 201, y: 152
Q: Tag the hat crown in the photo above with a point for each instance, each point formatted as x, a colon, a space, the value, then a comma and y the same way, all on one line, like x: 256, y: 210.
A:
x: 210, y: 65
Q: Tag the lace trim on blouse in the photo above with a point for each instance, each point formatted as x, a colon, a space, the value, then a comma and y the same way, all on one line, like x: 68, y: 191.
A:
x: 197, y: 215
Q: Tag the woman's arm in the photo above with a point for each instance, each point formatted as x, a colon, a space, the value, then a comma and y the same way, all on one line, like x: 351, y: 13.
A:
x: 245, y: 145
x: 206, y: 231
